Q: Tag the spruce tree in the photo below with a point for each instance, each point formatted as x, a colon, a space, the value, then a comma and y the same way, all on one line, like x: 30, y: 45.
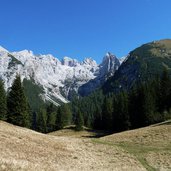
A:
x: 142, y: 106
x: 79, y: 121
x: 17, y: 104
x: 3, y: 103
x: 155, y: 86
x: 165, y: 90
x: 64, y: 116
x: 149, y: 106
x: 98, y: 124
x: 107, y: 113
x: 133, y: 107
x: 51, y: 117
x: 136, y: 103
x: 58, y: 118
x: 121, y: 117
x: 42, y: 120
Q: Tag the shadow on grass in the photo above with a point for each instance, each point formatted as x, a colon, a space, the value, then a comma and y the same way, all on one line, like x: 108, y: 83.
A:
x: 93, y: 133
x: 96, y: 133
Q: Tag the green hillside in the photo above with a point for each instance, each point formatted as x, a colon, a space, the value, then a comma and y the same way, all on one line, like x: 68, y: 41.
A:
x: 143, y: 63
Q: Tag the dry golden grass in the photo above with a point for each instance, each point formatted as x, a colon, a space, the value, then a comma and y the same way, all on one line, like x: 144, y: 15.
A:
x: 23, y: 149
x: 150, y: 145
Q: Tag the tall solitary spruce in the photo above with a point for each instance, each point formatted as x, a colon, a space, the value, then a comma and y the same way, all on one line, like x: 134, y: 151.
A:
x: 17, y: 104
x: 3, y: 103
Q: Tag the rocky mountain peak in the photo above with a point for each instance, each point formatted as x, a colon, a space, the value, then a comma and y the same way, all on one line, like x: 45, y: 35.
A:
x: 69, y: 62
x: 89, y: 61
x: 110, y: 64
x: 109, y: 55
x: 25, y: 52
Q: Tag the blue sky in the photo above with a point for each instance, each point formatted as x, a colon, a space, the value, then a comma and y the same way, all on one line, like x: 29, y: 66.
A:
x: 82, y: 28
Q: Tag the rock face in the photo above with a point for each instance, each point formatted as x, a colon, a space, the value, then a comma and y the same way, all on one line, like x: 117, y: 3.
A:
x: 105, y: 70
x: 59, y: 80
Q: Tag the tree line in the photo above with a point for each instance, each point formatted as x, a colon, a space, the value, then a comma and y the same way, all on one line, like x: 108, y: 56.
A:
x: 15, y: 109
x: 146, y: 103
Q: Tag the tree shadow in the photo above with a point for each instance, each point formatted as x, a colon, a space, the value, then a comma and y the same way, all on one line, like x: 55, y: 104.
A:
x: 96, y: 133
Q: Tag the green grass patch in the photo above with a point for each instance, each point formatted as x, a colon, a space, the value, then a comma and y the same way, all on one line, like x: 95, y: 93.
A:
x: 137, y: 150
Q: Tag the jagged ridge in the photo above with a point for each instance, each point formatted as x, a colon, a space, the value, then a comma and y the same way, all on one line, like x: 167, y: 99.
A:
x: 59, y: 80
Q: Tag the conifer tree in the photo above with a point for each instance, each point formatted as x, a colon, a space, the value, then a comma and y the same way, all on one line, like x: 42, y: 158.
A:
x: 121, y: 118
x: 3, y: 103
x: 165, y: 90
x: 51, y: 122
x: 149, y: 106
x: 155, y: 86
x: 51, y: 117
x: 79, y: 121
x: 98, y: 122
x: 133, y: 107
x: 136, y: 103
x: 107, y: 113
x: 17, y: 104
x: 58, y: 118
x: 64, y: 116
x: 142, y: 106
x: 42, y: 120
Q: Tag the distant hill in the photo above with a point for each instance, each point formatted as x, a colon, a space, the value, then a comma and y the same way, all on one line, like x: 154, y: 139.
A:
x: 142, y: 64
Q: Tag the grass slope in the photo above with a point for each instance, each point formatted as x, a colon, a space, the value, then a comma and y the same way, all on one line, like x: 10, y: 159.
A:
x: 137, y: 150
x: 150, y: 145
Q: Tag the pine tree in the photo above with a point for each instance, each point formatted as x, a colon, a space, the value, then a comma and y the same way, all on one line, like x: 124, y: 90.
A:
x: 107, y: 113
x: 58, y: 119
x: 51, y: 117
x: 134, y: 107
x: 64, y: 116
x: 142, y: 106
x: 98, y: 124
x: 155, y: 86
x: 149, y: 106
x: 165, y: 90
x: 3, y: 103
x: 121, y: 118
x: 17, y: 105
x: 42, y: 120
x: 79, y: 121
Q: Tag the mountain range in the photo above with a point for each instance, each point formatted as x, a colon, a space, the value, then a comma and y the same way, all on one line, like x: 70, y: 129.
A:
x: 46, y: 78
x: 53, y: 80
